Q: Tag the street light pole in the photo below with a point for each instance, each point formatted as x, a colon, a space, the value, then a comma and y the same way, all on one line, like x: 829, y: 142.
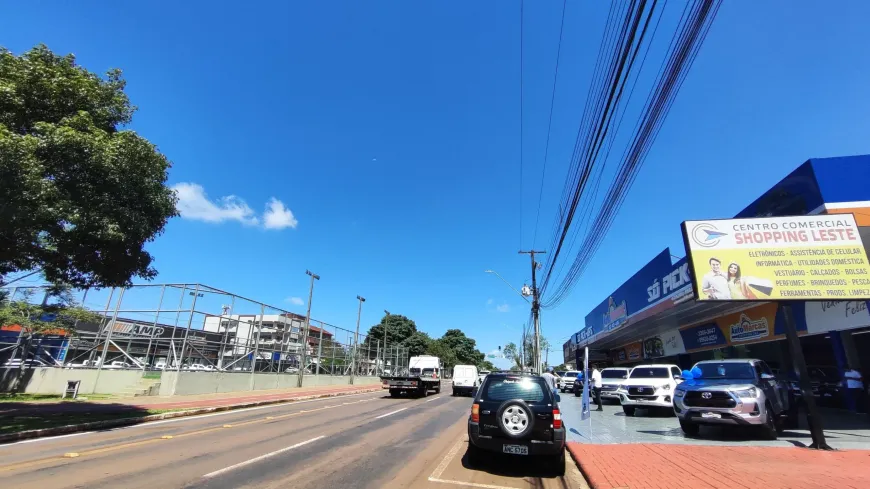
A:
x: 314, y: 277
x: 507, y: 283
x: 386, y: 323
x: 356, y: 339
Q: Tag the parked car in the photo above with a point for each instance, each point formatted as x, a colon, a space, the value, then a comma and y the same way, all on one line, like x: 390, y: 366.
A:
x: 465, y: 379
x: 516, y: 414
x: 118, y: 365
x: 482, y: 375
x: 735, y: 392
x: 568, y: 379
x: 611, y: 379
x: 29, y: 363
x: 649, y: 387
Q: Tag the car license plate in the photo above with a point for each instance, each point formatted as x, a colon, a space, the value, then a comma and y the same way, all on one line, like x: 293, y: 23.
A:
x: 711, y: 415
x: 515, y: 449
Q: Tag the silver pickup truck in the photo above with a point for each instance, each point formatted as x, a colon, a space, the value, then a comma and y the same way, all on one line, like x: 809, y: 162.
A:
x: 737, y: 392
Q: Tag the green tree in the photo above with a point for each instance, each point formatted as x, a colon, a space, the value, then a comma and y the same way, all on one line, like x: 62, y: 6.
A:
x: 486, y: 365
x: 445, y: 353
x: 512, y: 353
x: 398, y: 329
x: 79, y: 196
x: 417, y: 344
x: 463, y: 347
x: 57, y: 313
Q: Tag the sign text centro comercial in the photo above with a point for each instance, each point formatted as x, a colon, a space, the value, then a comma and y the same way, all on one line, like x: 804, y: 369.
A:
x: 778, y: 258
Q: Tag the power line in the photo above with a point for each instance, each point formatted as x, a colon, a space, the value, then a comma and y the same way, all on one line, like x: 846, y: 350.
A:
x: 521, y: 124
x: 550, y: 121
x: 688, y: 38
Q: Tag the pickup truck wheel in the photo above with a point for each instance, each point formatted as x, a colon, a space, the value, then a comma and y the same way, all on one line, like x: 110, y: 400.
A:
x: 394, y: 393
x: 690, y: 429
x: 438, y: 390
x: 768, y: 430
x: 578, y: 393
x: 628, y: 410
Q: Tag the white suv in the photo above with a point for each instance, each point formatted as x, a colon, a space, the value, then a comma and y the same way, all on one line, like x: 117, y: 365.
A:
x: 649, y: 387
x: 567, y: 382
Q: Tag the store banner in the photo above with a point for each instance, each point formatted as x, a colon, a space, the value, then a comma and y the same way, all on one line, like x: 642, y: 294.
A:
x: 825, y: 316
x: 628, y: 354
x: 750, y: 326
x: 664, y: 345
x: 653, y: 288
x: 778, y: 258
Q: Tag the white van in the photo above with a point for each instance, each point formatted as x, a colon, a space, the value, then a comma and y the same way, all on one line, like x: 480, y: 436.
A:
x: 465, y: 379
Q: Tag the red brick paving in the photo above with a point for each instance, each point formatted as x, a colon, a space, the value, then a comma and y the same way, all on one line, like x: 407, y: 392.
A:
x: 654, y: 466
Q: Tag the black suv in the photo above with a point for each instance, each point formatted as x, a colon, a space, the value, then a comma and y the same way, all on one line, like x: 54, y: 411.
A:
x: 516, y: 414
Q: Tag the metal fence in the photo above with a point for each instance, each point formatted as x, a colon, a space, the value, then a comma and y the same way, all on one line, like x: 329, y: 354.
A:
x: 195, y: 327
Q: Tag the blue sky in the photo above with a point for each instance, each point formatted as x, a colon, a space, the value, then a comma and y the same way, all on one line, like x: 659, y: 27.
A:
x: 384, y: 137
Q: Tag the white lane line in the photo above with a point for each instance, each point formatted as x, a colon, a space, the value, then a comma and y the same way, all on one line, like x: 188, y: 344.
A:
x: 436, y: 474
x: 46, y: 439
x: 430, y: 400
x: 391, y: 412
x: 261, y: 457
x: 471, y: 484
x: 233, y: 411
x: 447, y: 458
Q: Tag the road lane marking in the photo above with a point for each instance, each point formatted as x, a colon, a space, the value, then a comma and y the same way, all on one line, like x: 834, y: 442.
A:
x: 261, y: 457
x: 430, y: 400
x: 47, y: 438
x: 391, y: 412
x: 436, y: 474
x: 446, y: 460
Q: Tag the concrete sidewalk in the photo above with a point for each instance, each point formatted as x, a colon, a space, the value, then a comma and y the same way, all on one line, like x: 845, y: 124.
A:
x: 636, y: 466
x: 200, y: 401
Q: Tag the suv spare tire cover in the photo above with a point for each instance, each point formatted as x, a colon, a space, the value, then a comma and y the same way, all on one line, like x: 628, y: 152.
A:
x: 515, y: 418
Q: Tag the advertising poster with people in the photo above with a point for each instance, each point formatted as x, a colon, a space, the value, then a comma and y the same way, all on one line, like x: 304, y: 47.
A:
x: 778, y: 258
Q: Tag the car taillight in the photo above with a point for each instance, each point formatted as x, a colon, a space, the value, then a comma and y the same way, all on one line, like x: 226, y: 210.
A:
x: 557, y: 419
x: 475, y: 413
x: 386, y: 382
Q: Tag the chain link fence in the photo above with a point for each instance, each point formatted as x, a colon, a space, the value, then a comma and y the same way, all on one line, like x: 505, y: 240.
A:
x: 193, y: 327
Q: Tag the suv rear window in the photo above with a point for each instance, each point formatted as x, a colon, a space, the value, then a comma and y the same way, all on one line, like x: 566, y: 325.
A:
x: 506, y: 388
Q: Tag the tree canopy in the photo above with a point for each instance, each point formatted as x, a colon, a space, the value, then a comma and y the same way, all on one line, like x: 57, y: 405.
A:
x: 453, y: 348
x: 79, y: 196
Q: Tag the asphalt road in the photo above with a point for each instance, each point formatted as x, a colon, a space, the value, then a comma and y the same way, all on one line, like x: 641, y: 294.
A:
x: 361, y: 441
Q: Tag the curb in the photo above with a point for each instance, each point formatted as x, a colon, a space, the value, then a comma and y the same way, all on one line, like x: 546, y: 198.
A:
x: 576, y: 458
x: 115, y: 423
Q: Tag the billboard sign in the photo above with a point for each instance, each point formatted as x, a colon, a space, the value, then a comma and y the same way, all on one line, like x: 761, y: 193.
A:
x: 778, y: 258
x: 664, y: 345
x: 753, y: 325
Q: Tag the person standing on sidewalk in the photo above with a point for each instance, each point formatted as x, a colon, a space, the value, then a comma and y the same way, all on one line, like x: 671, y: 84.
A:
x: 550, y: 379
x: 855, y: 385
x: 596, y: 387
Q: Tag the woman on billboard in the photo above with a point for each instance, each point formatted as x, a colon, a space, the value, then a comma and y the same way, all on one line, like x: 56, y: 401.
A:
x: 738, y: 287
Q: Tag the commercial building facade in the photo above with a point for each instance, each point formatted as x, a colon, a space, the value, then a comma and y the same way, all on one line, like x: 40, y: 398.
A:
x: 654, y: 316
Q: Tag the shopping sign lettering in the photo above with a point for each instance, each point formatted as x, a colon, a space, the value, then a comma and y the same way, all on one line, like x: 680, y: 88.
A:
x: 132, y: 329
x: 586, y: 334
x: 747, y: 329
x: 669, y: 284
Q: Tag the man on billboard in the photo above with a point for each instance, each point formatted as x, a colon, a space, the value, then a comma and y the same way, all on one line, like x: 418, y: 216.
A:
x: 715, y: 283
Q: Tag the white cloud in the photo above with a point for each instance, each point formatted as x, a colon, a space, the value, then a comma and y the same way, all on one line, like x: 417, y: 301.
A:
x: 503, y: 307
x: 277, y: 216
x: 194, y: 204
x: 296, y: 301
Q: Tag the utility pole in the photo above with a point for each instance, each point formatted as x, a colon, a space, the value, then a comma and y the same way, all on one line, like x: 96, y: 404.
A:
x: 536, y: 307
x: 386, y: 323
x: 302, y: 365
x: 356, y: 339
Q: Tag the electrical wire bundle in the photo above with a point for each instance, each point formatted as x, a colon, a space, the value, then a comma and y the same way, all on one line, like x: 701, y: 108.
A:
x: 627, y: 34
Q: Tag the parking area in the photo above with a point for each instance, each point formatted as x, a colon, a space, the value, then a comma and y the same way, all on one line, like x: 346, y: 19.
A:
x: 843, y: 430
